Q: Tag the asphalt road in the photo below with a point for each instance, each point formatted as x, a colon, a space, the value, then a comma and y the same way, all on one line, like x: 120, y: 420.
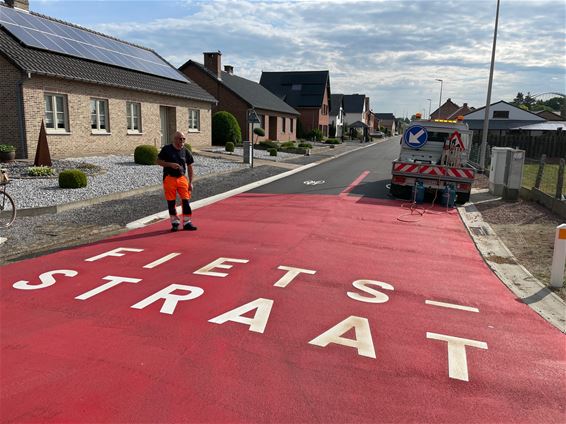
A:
x: 335, y: 176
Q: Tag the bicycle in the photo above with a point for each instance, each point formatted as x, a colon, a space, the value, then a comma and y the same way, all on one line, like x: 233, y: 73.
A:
x: 7, y: 205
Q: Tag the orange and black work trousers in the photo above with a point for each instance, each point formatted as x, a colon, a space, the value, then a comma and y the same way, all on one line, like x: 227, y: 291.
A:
x: 174, y: 185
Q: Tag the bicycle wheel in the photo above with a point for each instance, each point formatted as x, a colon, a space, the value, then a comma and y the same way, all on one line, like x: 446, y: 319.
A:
x: 7, y: 210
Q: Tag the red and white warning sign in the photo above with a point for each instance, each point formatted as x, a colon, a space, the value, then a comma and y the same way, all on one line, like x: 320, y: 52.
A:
x: 456, y: 139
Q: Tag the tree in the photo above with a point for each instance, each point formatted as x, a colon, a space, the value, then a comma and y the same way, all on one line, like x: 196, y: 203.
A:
x: 529, y: 101
x: 518, y: 100
x: 225, y: 129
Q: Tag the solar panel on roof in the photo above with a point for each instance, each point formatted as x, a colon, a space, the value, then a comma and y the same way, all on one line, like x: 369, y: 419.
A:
x: 45, y: 34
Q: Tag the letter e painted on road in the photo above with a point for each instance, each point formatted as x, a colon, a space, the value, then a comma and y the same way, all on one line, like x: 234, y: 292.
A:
x: 457, y: 360
x: 363, y: 341
x: 46, y: 279
x: 171, y: 299
x: 257, y: 323
x: 378, y: 297
x: 291, y: 274
x: 113, y: 252
x: 219, y: 263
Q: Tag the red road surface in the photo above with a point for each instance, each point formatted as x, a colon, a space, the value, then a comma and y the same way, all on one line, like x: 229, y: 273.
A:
x: 100, y: 360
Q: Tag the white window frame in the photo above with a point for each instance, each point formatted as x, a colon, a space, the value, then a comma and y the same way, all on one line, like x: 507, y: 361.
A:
x: 55, y: 112
x: 194, y: 120
x: 99, y: 130
x: 131, y: 109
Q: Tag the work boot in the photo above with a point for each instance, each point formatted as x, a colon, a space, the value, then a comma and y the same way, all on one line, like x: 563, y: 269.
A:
x: 189, y: 226
x: 174, y: 227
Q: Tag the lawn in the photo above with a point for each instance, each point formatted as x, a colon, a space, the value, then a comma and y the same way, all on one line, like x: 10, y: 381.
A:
x: 549, y: 178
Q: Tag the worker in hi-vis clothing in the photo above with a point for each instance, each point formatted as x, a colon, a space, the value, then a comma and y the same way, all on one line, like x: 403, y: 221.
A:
x: 177, y: 162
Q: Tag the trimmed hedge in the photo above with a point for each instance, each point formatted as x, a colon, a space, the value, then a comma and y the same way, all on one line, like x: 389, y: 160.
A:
x: 72, y: 178
x: 229, y: 146
x: 332, y: 141
x: 225, y: 129
x: 295, y: 150
x: 272, y: 152
x: 40, y: 171
x: 145, y: 154
x: 259, y: 131
x: 287, y: 144
x: 305, y: 145
x: 267, y: 144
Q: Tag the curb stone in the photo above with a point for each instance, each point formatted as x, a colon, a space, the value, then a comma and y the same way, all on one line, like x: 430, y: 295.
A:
x: 507, y: 268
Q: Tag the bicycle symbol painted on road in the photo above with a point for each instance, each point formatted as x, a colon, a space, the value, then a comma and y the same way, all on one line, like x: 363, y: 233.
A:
x: 311, y: 182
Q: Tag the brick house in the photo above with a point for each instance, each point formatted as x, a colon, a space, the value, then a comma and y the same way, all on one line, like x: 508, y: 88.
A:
x: 447, y: 109
x: 91, y: 105
x: 237, y: 95
x: 387, y: 121
x: 306, y: 91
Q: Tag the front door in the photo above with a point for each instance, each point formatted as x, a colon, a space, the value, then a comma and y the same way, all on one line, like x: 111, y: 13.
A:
x: 163, y: 116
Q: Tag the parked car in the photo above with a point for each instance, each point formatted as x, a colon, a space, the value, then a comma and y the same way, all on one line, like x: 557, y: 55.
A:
x: 377, y: 134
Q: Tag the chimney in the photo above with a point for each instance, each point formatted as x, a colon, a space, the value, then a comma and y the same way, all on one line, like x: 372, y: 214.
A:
x: 18, y: 4
x: 465, y: 105
x: 212, y: 62
x: 229, y: 69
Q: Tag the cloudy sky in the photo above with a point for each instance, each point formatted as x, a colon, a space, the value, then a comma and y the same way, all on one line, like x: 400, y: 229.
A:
x: 391, y: 50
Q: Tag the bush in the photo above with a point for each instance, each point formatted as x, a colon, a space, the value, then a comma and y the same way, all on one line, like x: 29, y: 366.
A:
x: 7, y: 148
x: 267, y: 144
x: 272, y: 152
x: 225, y: 128
x: 229, y: 146
x: 259, y: 131
x: 295, y: 150
x: 40, y: 171
x: 305, y: 145
x: 332, y: 141
x: 188, y: 147
x: 72, y: 178
x: 315, y: 134
x: 288, y: 144
x: 145, y: 154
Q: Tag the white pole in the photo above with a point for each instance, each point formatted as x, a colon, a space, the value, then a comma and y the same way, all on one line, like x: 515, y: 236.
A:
x: 559, y: 257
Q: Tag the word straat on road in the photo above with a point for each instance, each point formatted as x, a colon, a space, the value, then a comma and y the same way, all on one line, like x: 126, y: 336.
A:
x: 169, y: 297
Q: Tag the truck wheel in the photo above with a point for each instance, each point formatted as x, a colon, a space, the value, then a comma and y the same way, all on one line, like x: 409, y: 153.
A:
x: 462, y: 198
x: 397, y: 190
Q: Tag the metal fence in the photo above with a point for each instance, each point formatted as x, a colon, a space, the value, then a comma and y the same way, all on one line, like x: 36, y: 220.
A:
x: 553, y: 145
x: 545, y: 175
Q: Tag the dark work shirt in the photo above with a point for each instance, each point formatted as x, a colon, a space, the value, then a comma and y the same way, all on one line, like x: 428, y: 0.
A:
x: 170, y: 154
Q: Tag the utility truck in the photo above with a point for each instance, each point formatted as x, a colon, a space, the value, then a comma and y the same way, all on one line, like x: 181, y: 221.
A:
x: 434, y: 155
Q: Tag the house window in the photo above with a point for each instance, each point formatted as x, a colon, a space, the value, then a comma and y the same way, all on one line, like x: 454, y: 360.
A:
x: 292, y: 122
x: 56, y: 113
x: 501, y: 114
x: 99, y: 115
x: 133, y: 113
x: 194, y: 120
x: 283, y: 123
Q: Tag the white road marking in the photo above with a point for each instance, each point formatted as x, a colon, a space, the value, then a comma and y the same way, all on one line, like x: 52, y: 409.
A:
x: 162, y: 260
x: 451, y: 305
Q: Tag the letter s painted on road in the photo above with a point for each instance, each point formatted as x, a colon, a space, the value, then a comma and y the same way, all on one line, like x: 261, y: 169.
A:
x: 378, y: 297
x: 46, y: 279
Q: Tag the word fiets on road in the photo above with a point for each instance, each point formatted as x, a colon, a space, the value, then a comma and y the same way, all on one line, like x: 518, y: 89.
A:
x: 367, y: 293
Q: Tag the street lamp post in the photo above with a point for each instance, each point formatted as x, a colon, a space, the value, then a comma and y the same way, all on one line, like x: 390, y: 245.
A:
x: 488, y: 101
x: 440, y: 99
x: 429, y: 102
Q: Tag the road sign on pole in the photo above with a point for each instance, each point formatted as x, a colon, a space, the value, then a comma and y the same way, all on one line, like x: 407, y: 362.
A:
x: 252, y: 117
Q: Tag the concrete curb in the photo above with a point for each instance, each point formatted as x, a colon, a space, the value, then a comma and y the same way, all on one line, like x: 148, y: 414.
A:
x: 514, y: 275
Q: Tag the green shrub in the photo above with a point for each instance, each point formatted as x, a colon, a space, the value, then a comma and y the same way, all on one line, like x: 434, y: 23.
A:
x: 72, y: 178
x: 267, y: 144
x: 305, y: 145
x: 315, y: 134
x: 229, y: 146
x: 287, y: 144
x: 7, y: 148
x: 332, y: 141
x: 225, y: 128
x: 295, y: 150
x: 272, y: 152
x: 145, y: 154
x: 40, y: 171
x: 188, y: 147
x: 259, y: 131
